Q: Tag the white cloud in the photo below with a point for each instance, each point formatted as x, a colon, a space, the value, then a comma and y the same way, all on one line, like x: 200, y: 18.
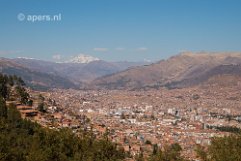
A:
x: 119, y: 49
x: 57, y: 57
x: 101, y: 49
x: 7, y: 52
x: 142, y: 49
x: 147, y: 60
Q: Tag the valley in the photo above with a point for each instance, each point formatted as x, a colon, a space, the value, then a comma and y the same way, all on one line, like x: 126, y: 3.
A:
x: 140, y: 120
x: 187, y: 99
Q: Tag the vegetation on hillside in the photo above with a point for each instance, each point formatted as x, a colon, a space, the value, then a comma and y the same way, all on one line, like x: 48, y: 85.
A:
x: 226, y: 148
x: 23, y: 140
x: 169, y: 153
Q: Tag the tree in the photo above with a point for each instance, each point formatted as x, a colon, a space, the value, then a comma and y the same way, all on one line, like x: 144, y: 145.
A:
x: 13, y: 114
x: 6, y: 84
x: 41, y: 98
x: 10, y: 80
x: 30, y: 103
x: 3, y: 108
x: 148, y: 142
x: 155, y: 149
x: 24, y: 96
x: 201, y: 153
x: 27, y: 141
x: 195, y: 96
x: 221, y: 149
x: 122, y: 116
x: 139, y: 157
x: 20, y: 82
x: 3, y: 86
x: 170, y: 153
x: 41, y: 107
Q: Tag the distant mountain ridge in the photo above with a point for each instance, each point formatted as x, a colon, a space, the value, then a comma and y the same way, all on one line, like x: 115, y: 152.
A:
x: 77, y: 72
x: 227, y: 70
x: 45, y: 74
x: 183, y: 70
x: 34, y: 79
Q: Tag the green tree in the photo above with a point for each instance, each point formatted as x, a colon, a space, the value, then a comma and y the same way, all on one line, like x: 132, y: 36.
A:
x: 20, y: 81
x: 24, y: 96
x: 221, y: 149
x: 201, y: 153
x: 41, y: 97
x: 10, y: 80
x: 30, y: 103
x: 13, y: 114
x: 155, y: 149
x: 170, y: 153
x: 3, y: 108
x: 148, y: 142
x: 3, y: 86
x: 139, y: 157
x: 41, y: 107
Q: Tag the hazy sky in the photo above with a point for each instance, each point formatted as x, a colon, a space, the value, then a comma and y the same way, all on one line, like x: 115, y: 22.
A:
x: 116, y: 30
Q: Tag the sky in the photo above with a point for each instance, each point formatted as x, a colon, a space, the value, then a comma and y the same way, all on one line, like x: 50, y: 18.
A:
x: 117, y: 30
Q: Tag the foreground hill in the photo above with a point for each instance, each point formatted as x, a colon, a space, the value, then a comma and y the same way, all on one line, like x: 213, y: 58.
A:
x: 24, y: 140
x: 183, y: 70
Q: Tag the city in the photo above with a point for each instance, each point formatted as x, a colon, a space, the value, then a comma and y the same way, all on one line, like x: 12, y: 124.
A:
x: 138, y: 120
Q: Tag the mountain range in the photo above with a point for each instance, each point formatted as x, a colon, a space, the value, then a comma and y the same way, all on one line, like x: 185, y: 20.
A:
x: 183, y: 70
x: 70, y: 74
x: 34, y: 78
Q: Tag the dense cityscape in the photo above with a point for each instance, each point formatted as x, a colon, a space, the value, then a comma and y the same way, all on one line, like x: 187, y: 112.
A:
x: 140, y: 120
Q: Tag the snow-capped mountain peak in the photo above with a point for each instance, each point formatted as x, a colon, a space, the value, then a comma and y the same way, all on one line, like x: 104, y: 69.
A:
x: 82, y: 59
x: 27, y: 58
